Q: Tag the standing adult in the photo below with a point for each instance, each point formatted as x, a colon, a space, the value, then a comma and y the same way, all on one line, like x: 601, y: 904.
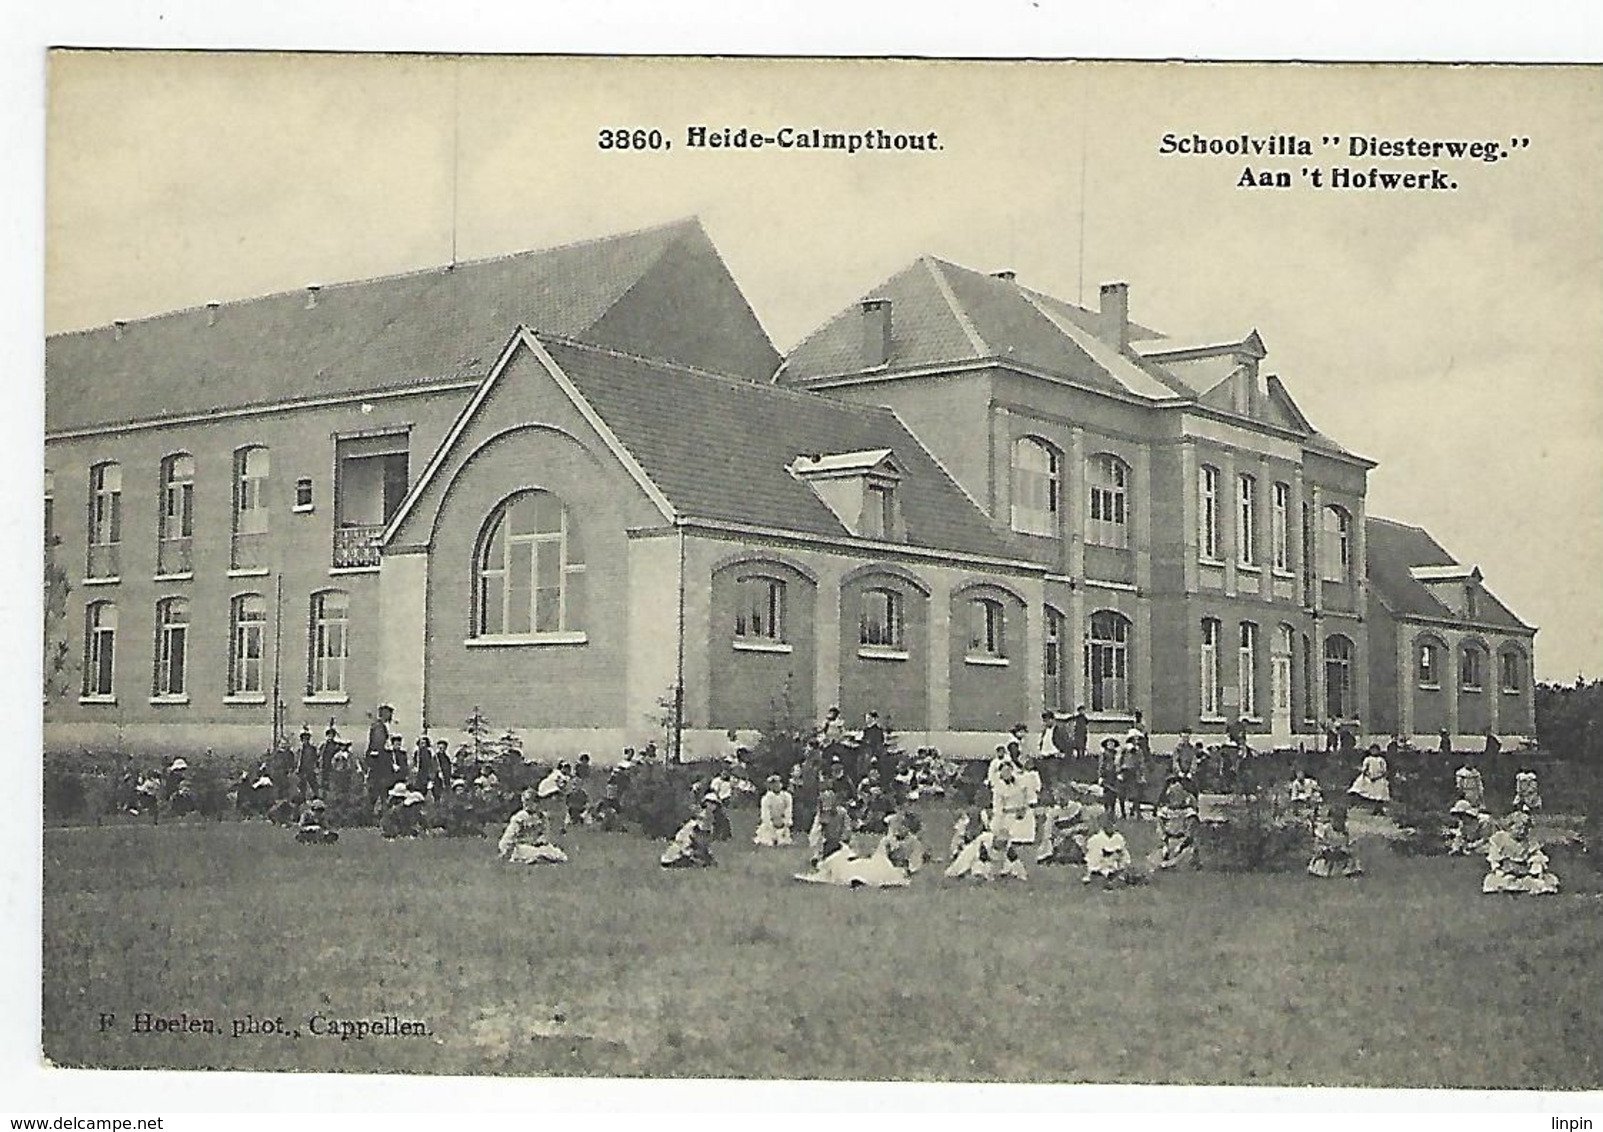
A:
x: 1444, y: 743
x: 376, y: 758
x: 877, y: 752
x: 1047, y: 752
x: 1081, y: 729
x: 424, y: 767
x: 1494, y: 746
x: 306, y: 766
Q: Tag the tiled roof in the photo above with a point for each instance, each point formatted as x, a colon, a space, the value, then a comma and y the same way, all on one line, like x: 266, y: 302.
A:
x: 1394, y: 550
x: 387, y: 333
x: 719, y: 448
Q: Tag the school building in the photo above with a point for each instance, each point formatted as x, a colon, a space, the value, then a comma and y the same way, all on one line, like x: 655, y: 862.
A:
x: 578, y: 491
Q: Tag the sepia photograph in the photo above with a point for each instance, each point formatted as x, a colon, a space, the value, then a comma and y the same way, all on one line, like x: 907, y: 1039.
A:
x: 823, y: 569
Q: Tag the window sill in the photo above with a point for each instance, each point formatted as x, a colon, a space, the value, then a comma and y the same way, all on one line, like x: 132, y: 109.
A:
x: 336, y: 571
x: 531, y: 640
x: 248, y: 572
x: 1252, y: 719
x: 987, y: 661
x: 761, y: 646
x: 111, y: 581
x: 326, y: 698
x: 1429, y: 687
x: 246, y: 698
x: 97, y: 700
x: 1288, y: 575
x: 159, y: 700
x: 1108, y: 584
x: 181, y: 576
x: 1249, y: 568
x: 1211, y: 719
x: 299, y: 510
x: 1513, y: 691
x: 1108, y: 545
x: 875, y: 652
x: 1466, y: 688
x: 1216, y: 563
x: 1111, y: 717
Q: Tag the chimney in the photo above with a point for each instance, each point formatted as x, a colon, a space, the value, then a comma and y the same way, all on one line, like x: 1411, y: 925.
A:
x: 117, y: 329
x: 1116, y: 314
x: 1006, y: 276
x: 876, y: 332
x: 311, y: 296
x: 211, y: 312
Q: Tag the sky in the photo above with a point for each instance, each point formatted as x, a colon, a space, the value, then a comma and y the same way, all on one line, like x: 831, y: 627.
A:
x: 1455, y: 337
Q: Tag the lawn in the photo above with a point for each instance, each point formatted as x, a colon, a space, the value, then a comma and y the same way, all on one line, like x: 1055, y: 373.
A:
x: 609, y: 965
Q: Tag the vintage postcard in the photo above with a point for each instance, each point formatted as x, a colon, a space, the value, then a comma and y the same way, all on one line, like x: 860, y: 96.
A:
x: 794, y: 569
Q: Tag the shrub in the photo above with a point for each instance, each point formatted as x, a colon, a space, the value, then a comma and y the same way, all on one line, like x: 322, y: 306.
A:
x: 656, y: 798
x: 1254, y: 835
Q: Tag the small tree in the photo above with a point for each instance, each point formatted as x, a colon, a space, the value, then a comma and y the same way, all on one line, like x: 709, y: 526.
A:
x: 57, y: 654
x: 478, y: 727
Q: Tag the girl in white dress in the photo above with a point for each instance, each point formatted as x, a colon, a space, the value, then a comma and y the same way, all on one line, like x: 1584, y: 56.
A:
x: 1516, y: 861
x: 1527, y: 798
x: 525, y: 841
x: 1107, y: 857
x: 1012, y: 809
x: 776, y: 814
x: 898, y: 856
x: 1372, y: 783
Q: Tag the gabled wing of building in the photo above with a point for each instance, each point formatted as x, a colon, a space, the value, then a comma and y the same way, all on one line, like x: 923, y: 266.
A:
x: 1396, y: 551
x: 663, y: 291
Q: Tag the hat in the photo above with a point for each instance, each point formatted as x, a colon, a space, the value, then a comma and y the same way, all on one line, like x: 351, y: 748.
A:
x: 179, y: 764
x: 1110, y: 742
x: 1462, y: 806
x: 398, y: 790
x: 318, y: 804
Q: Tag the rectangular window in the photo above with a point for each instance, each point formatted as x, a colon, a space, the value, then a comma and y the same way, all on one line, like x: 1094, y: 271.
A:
x: 1338, y: 544
x: 1107, y: 522
x: 105, y: 520
x: 1246, y: 520
x: 1036, y: 487
x: 330, y: 643
x: 176, y: 523
x: 370, y: 484
x: 1279, y: 527
x: 1208, y: 512
x: 246, y: 647
x: 760, y: 609
x: 880, y: 625
x: 1472, y: 669
x: 1247, y: 670
x: 303, y: 494
x: 1211, y: 691
x: 1107, y: 663
x: 985, y: 635
x: 879, y: 511
x: 1052, y: 661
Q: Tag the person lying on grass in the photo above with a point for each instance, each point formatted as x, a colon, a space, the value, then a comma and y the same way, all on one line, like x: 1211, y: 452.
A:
x: 1516, y: 861
x: 691, y: 847
x: 1333, y: 848
x: 898, y: 856
x: 1107, y: 858
x: 989, y: 855
x: 526, y: 841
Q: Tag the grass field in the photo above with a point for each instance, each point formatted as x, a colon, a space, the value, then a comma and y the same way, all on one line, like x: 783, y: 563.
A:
x: 610, y: 965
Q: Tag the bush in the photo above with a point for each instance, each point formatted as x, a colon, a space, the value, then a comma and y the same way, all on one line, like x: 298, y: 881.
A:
x: 656, y: 798
x: 1254, y: 835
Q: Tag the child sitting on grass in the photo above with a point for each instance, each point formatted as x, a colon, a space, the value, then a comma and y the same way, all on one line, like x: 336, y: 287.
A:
x: 1065, y: 828
x: 1333, y: 848
x: 831, y: 830
x: 312, y: 831
x: 691, y: 847
x: 403, y: 813
x: 1107, y: 857
x: 525, y: 841
x: 991, y: 855
x: 775, y: 812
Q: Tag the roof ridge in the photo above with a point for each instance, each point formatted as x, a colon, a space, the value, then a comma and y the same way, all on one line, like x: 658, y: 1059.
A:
x: 982, y: 349
x: 412, y: 273
x: 809, y: 396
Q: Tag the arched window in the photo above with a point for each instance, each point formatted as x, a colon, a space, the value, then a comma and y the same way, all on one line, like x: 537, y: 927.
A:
x: 1107, y: 662
x: 759, y: 609
x: 252, y: 467
x: 247, y: 643
x: 1428, y: 655
x: 1338, y: 677
x: 1037, y: 487
x: 1338, y: 544
x: 1212, y: 692
x: 171, y: 679
x: 105, y: 520
x: 100, y: 650
x: 329, y: 642
x: 1208, y: 512
x: 1108, y: 517
x: 1472, y: 668
x: 175, y: 523
x: 1052, y: 666
x: 880, y: 624
x: 1511, y: 674
x: 987, y: 627
x: 529, y: 569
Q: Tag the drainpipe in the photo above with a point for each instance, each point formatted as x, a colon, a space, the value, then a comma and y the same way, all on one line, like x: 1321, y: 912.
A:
x: 679, y: 662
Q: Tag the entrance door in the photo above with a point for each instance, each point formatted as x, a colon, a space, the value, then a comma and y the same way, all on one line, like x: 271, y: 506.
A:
x: 1280, y: 683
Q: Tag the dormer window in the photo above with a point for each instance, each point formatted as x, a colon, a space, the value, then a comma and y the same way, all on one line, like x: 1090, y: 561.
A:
x: 859, y: 487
